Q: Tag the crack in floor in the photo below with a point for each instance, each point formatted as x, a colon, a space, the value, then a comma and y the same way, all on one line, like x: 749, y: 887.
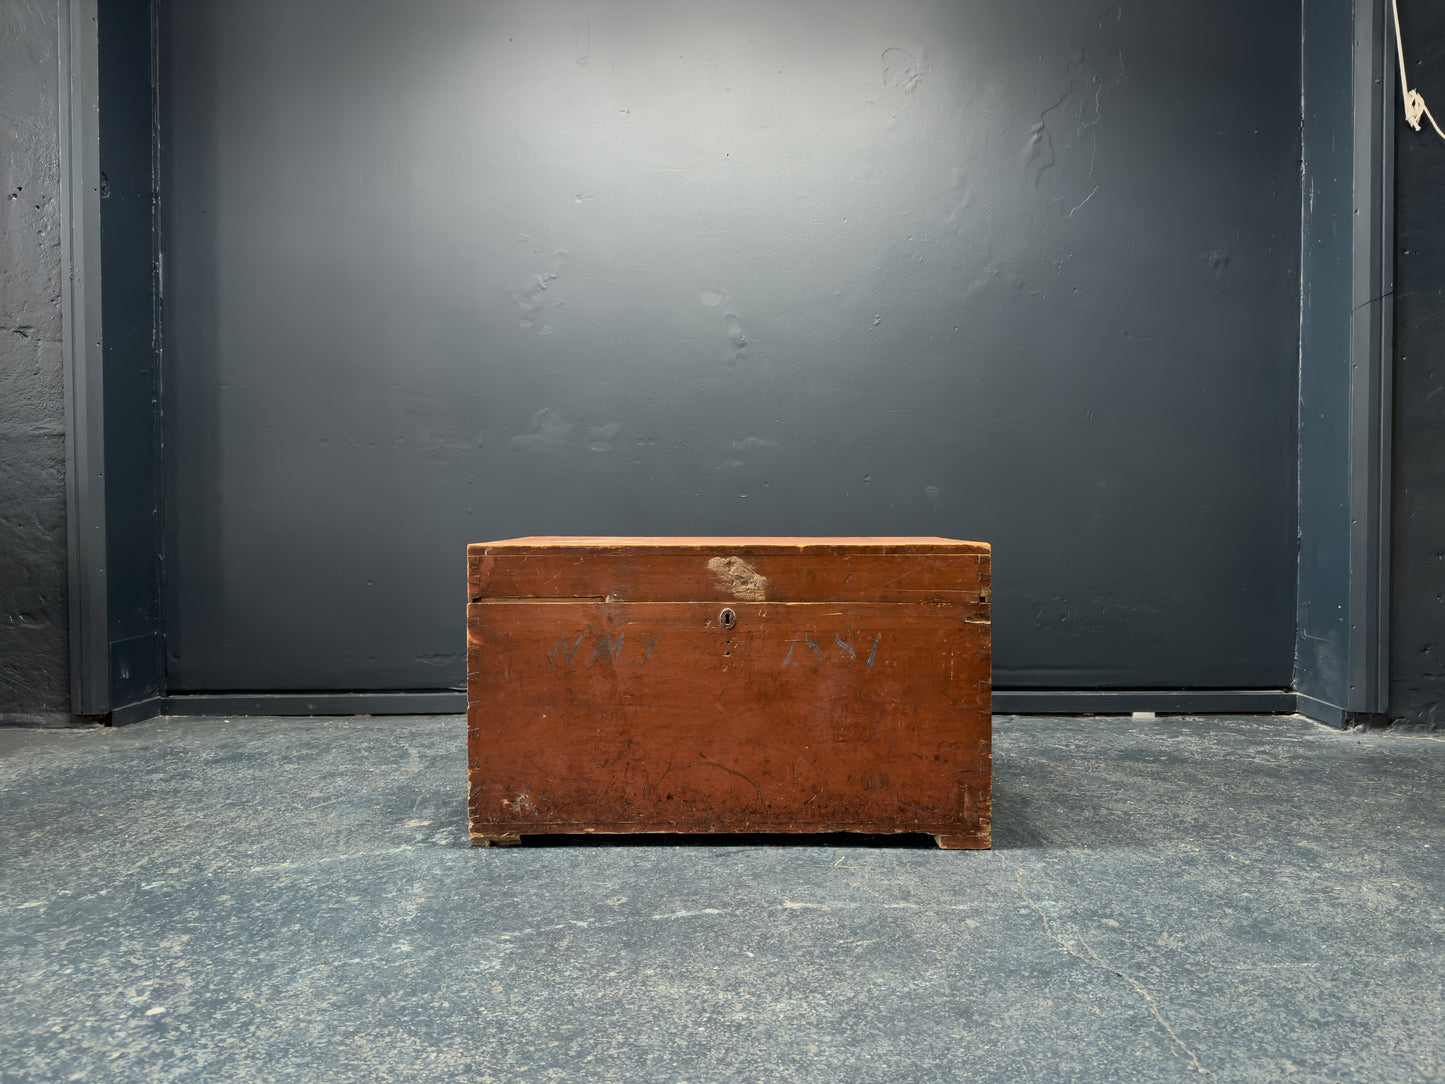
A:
x: 1094, y: 958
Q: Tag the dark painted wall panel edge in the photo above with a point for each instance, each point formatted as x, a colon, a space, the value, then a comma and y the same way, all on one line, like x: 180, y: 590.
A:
x: 1370, y: 354
x: 1385, y: 353
x: 83, y: 359
x: 1326, y: 217
x: 1348, y: 673
x: 126, y: 37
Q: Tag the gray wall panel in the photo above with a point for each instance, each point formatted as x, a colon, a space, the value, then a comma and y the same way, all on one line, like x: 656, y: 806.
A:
x: 446, y: 271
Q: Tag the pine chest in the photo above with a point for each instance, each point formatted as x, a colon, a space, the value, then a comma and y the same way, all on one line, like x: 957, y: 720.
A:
x: 729, y: 685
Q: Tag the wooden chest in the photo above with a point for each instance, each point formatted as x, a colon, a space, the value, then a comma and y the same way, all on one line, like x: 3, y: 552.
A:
x: 729, y: 685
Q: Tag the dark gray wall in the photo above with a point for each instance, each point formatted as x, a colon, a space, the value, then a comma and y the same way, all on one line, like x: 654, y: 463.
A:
x: 447, y: 271
x: 1417, y: 598
x: 34, y: 649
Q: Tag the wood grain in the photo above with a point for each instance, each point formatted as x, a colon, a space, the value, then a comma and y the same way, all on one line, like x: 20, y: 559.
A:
x: 607, y: 714
x: 734, y: 569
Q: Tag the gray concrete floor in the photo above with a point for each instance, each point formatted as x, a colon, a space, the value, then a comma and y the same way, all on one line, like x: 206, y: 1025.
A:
x: 264, y: 899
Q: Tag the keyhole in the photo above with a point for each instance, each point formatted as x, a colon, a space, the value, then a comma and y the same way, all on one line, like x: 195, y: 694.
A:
x: 727, y: 619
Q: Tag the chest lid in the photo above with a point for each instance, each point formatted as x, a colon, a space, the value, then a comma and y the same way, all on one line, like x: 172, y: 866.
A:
x: 744, y: 569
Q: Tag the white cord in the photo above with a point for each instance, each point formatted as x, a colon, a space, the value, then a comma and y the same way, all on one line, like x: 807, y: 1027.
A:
x: 1414, y: 104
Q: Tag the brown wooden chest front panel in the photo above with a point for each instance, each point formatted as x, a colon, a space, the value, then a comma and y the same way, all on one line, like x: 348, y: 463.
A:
x: 729, y: 685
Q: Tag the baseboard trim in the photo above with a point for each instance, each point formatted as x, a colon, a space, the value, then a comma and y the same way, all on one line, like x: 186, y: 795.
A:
x: 49, y: 720
x: 1321, y: 712
x: 212, y: 705
x: 1005, y: 702
x: 1127, y: 701
x: 139, y: 712
x: 438, y: 702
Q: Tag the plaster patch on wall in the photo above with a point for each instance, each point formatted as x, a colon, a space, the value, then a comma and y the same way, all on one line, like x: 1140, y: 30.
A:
x: 530, y: 298
x: 733, y: 329
x: 548, y: 431
x: 902, y: 70
x: 602, y: 438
